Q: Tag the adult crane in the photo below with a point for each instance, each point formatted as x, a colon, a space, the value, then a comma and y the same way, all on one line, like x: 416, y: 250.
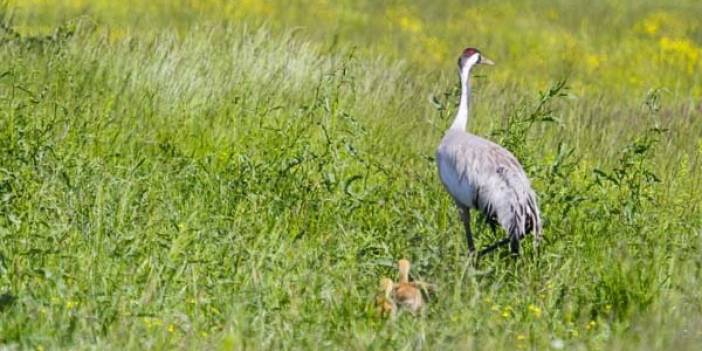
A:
x: 482, y: 175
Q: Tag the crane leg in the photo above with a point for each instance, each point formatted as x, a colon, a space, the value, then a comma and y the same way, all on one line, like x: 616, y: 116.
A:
x: 493, y: 246
x: 514, y: 244
x: 493, y: 227
x: 465, y: 216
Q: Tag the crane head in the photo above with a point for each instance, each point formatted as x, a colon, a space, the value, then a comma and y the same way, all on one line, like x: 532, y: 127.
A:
x: 472, y: 56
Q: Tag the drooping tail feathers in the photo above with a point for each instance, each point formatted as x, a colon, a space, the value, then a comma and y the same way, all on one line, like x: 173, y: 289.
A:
x: 534, y: 218
x: 526, y: 218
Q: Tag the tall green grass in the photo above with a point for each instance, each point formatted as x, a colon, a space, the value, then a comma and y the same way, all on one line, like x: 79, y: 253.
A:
x: 230, y: 186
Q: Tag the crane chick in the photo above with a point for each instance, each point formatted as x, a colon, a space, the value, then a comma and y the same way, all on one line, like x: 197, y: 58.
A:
x: 407, y: 294
x: 384, y: 301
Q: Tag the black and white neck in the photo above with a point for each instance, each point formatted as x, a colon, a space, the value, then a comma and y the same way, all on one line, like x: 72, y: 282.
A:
x: 466, y: 62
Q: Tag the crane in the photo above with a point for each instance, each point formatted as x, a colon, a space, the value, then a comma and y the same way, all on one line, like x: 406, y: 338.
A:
x: 482, y: 175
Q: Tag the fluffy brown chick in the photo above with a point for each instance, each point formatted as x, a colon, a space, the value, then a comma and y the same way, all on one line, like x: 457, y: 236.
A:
x: 384, y: 301
x: 407, y: 294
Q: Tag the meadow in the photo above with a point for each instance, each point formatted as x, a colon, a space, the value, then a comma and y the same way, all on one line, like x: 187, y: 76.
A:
x: 224, y: 175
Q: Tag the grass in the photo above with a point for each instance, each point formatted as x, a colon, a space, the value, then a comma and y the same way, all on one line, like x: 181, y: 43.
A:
x: 188, y: 177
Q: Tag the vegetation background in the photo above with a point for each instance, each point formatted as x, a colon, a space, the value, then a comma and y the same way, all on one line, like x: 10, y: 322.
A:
x: 198, y: 174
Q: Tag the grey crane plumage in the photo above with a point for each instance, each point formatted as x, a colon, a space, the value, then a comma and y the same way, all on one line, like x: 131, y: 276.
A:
x: 482, y: 175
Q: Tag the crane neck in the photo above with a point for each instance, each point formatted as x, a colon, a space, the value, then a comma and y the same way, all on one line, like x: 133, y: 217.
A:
x: 461, y: 120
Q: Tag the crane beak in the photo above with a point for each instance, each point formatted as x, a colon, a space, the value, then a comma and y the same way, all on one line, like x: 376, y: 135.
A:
x: 486, y: 61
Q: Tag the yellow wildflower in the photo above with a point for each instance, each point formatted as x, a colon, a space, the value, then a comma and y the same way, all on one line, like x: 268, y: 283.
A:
x: 661, y: 23
x: 681, y: 51
x: 405, y: 18
x: 410, y: 24
x: 151, y: 322
x: 593, y: 61
x: 535, y: 310
x: 506, y: 312
x: 591, y: 325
